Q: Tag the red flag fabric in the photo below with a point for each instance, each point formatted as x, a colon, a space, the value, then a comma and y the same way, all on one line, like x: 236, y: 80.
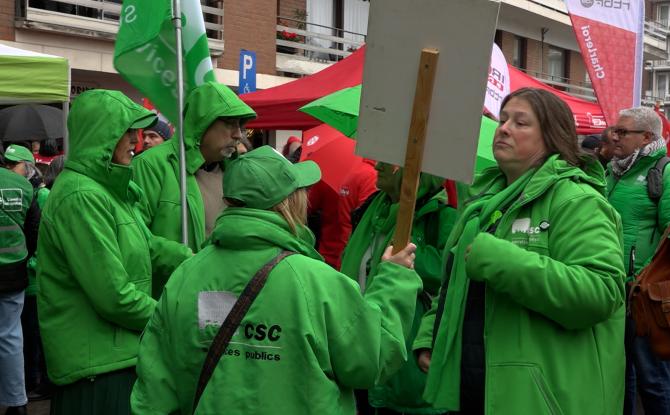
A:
x: 666, y: 126
x: 610, y: 37
x: 332, y: 151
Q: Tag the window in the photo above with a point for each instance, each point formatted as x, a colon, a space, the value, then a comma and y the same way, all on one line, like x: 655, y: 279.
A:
x: 663, y: 13
x: 556, y: 60
x: 662, y: 85
x: 519, y: 57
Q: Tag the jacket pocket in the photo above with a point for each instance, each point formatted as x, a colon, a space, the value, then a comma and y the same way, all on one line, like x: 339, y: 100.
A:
x: 519, y: 388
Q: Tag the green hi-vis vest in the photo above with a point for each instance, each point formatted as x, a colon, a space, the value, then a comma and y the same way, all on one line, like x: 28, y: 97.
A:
x: 16, y: 195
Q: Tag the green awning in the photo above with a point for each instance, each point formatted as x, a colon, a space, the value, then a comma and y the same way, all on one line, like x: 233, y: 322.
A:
x: 27, y: 76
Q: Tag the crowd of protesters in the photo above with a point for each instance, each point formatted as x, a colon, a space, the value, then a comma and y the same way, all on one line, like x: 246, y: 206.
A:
x: 511, y: 300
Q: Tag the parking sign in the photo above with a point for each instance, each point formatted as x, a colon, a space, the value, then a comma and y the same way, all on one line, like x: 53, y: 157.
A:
x: 247, y: 71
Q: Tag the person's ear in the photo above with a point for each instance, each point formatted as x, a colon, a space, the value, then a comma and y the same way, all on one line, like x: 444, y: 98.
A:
x: 648, y: 138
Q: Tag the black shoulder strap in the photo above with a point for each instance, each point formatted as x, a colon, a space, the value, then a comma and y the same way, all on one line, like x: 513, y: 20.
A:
x: 655, y: 179
x: 231, y: 323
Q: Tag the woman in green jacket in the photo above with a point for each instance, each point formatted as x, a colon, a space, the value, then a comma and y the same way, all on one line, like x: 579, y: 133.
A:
x: 96, y: 259
x: 530, y: 317
x: 307, y: 341
x: 433, y: 220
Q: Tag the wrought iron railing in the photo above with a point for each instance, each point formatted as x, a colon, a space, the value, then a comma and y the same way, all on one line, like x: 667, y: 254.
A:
x: 315, y: 42
x: 578, y: 89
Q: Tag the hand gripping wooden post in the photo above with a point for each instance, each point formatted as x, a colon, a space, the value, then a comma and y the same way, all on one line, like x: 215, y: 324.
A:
x: 416, y: 141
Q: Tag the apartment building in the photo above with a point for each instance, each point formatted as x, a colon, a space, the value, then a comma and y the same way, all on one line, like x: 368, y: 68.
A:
x: 293, y: 38
x: 657, y: 87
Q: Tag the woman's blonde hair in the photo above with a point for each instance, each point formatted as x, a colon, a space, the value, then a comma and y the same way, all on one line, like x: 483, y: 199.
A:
x: 294, y: 209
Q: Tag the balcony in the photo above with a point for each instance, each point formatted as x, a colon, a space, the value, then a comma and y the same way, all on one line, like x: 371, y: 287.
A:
x: 98, y: 19
x: 583, y: 90
x: 304, y: 48
x: 651, y: 98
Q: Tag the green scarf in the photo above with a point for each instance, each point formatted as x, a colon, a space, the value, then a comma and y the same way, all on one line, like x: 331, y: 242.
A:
x: 478, y: 216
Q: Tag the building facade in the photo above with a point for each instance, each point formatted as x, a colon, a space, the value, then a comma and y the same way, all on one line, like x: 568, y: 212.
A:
x: 293, y: 38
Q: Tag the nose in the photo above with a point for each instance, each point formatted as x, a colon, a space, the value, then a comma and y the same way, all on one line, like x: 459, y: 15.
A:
x: 503, y: 128
x: 237, y: 133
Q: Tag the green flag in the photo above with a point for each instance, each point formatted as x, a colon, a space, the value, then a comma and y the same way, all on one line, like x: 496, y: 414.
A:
x: 145, y: 52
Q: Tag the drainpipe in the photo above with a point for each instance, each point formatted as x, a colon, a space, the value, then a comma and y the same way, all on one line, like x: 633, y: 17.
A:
x: 543, y: 32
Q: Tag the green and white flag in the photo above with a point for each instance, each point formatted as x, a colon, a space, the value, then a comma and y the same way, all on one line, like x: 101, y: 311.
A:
x: 145, y: 51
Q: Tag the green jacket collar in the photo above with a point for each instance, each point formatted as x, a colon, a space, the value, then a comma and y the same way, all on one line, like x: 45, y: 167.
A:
x: 194, y: 158
x: 492, y: 180
x: 254, y: 229
x: 116, y: 178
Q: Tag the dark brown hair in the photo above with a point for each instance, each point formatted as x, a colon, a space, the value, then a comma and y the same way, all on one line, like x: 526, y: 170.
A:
x: 557, y: 123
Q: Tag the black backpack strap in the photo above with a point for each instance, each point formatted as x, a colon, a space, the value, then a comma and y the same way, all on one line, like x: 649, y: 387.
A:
x: 655, y: 179
x: 232, y: 321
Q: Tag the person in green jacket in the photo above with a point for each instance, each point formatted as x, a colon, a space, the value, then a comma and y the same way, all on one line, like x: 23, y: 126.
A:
x: 433, y: 220
x: 310, y: 337
x: 96, y: 259
x: 530, y: 316
x: 19, y: 219
x: 638, y: 146
x: 213, y: 116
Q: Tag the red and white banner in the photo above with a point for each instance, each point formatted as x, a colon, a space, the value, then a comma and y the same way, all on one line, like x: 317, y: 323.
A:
x: 610, y: 36
x: 497, y: 87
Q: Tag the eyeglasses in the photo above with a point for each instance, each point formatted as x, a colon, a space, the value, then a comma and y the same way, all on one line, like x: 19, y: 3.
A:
x: 622, y: 132
x: 234, y: 122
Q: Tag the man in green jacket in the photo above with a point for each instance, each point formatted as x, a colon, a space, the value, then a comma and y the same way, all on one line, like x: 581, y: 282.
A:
x: 18, y: 227
x: 96, y: 260
x: 308, y: 339
x: 213, y: 116
x: 433, y: 220
x: 638, y: 145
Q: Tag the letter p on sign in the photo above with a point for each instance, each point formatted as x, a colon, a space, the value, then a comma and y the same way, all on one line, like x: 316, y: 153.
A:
x: 247, y: 80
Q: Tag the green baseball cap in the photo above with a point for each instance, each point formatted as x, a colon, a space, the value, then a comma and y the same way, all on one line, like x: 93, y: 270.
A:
x: 263, y: 177
x: 145, y: 120
x: 17, y: 153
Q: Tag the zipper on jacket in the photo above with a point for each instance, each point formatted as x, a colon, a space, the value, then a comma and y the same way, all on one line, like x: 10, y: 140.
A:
x: 539, y: 382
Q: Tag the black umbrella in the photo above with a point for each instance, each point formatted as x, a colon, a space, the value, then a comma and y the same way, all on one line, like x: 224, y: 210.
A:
x: 30, y: 122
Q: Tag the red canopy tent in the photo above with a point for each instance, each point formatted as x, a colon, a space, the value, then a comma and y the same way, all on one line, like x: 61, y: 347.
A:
x: 277, y: 107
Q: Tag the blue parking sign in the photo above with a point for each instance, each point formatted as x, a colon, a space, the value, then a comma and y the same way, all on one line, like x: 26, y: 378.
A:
x: 247, y: 72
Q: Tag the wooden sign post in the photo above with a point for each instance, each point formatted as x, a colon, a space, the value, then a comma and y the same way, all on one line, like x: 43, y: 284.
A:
x: 416, y: 140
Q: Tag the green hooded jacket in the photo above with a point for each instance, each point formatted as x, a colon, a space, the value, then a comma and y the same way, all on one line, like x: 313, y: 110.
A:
x: 643, y: 219
x: 308, y: 339
x: 16, y: 196
x: 96, y: 256
x: 432, y: 224
x: 157, y: 171
x: 554, y: 302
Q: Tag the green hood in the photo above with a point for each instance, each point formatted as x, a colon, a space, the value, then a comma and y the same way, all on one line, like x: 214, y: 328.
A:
x: 97, y: 121
x: 254, y: 229
x: 203, y: 106
x: 553, y: 169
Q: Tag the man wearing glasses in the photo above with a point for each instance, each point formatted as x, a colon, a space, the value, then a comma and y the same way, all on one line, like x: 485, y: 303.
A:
x: 638, y: 146
x: 213, y: 118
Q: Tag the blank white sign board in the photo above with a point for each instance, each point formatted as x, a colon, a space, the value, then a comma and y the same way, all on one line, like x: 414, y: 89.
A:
x: 462, y: 31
